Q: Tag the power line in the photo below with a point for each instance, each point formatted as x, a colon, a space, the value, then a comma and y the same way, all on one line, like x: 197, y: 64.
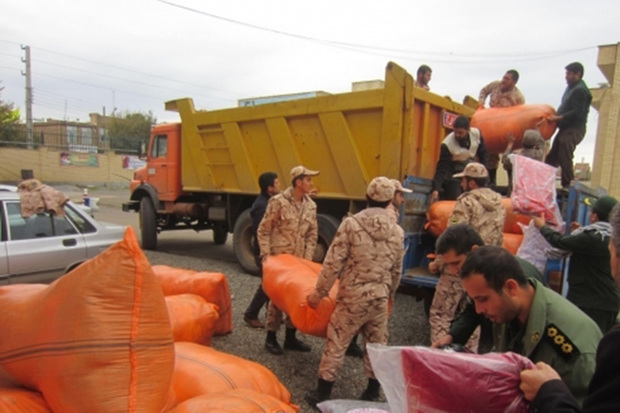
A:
x: 371, y: 49
x: 193, y: 85
x: 159, y: 86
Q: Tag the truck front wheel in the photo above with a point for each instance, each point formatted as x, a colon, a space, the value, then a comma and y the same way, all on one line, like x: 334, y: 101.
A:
x: 148, y: 224
x: 328, y: 225
x: 243, y: 237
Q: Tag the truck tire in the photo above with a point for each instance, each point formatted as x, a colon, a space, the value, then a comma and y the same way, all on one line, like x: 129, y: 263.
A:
x: 243, y: 237
x: 328, y: 225
x: 148, y: 224
x: 220, y: 235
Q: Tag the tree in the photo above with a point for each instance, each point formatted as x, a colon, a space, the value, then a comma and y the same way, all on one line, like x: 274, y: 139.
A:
x: 9, y: 122
x: 128, y: 130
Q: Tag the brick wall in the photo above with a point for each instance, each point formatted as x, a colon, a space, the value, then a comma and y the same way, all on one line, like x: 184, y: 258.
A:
x: 46, y: 167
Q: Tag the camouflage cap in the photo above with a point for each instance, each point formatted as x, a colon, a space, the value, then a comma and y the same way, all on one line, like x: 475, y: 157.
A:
x: 398, y: 187
x: 300, y: 170
x: 380, y: 189
x: 473, y: 170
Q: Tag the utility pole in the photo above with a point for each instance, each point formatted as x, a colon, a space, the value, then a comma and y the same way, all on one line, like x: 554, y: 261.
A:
x: 29, y: 132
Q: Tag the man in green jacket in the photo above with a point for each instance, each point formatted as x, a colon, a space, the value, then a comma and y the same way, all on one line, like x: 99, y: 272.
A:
x: 571, y: 118
x: 454, y: 244
x: 591, y: 286
x: 530, y: 319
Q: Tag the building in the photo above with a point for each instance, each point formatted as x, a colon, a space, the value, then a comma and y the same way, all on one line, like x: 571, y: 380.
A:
x: 606, y: 99
x: 73, y: 136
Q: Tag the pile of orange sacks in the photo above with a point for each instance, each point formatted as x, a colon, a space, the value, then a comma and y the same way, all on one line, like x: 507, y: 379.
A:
x: 105, y: 337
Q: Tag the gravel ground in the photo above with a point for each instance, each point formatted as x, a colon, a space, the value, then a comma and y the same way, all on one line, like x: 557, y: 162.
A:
x: 297, y: 371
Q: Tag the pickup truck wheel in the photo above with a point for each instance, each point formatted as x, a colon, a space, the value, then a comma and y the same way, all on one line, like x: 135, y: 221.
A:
x: 148, y: 224
x: 243, y: 237
x: 328, y: 225
x: 220, y: 235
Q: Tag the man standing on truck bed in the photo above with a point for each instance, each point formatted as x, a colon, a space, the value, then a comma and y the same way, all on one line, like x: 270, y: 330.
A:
x: 571, y: 118
x: 269, y: 186
x: 460, y: 147
x: 504, y: 93
x: 423, y: 76
x: 288, y: 227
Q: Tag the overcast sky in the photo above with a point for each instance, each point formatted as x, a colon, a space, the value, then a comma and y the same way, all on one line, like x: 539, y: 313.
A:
x: 135, y: 55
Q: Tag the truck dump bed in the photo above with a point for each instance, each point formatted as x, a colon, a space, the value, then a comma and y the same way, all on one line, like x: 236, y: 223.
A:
x: 351, y: 137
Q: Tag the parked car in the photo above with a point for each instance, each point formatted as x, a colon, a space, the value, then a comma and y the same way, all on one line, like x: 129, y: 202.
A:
x: 44, y: 246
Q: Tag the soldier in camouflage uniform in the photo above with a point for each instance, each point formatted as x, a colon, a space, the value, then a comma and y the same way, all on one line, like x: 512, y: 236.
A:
x: 481, y: 208
x: 502, y: 94
x: 398, y: 200
x: 366, y: 256
x: 289, y: 226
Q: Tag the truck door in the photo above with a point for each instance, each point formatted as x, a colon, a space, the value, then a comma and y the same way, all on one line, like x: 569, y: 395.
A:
x: 158, y: 166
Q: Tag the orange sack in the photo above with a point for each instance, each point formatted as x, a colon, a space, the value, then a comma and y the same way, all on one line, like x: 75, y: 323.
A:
x: 495, y: 123
x: 14, y: 400
x: 512, y: 242
x: 288, y: 281
x: 212, y: 286
x: 438, y: 213
x: 202, y: 370
x: 192, y: 318
x: 235, y: 401
x: 97, y: 339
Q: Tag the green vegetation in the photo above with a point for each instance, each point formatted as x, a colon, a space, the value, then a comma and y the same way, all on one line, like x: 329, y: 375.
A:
x: 129, y: 130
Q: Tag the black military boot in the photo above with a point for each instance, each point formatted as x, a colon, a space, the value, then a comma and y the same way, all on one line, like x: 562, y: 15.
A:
x: 354, y: 350
x: 321, y: 393
x: 271, y: 344
x: 371, y: 393
x: 292, y: 343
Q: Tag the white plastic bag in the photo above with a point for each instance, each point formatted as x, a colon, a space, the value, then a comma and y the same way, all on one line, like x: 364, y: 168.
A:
x: 352, y: 406
x: 533, y: 246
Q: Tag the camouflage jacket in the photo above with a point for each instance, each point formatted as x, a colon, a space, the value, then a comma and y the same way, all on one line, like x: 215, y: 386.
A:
x: 288, y: 226
x: 366, y: 255
x: 482, y: 209
x: 500, y: 99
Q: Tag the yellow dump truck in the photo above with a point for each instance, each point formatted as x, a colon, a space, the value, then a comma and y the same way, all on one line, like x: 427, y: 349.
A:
x: 203, y: 173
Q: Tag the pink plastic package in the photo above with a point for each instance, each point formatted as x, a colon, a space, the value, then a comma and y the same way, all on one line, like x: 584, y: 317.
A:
x: 533, y: 192
x: 438, y: 381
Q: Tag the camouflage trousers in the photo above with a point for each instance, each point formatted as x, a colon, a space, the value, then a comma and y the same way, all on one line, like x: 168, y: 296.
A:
x: 274, y: 318
x: 368, y: 317
x: 449, y: 301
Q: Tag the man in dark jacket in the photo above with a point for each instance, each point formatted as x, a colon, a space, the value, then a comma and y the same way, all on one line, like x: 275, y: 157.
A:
x: 543, y: 385
x: 459, y: 148
x: 269, y: 186
x: 571, y: 118
x: 591, y: 286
